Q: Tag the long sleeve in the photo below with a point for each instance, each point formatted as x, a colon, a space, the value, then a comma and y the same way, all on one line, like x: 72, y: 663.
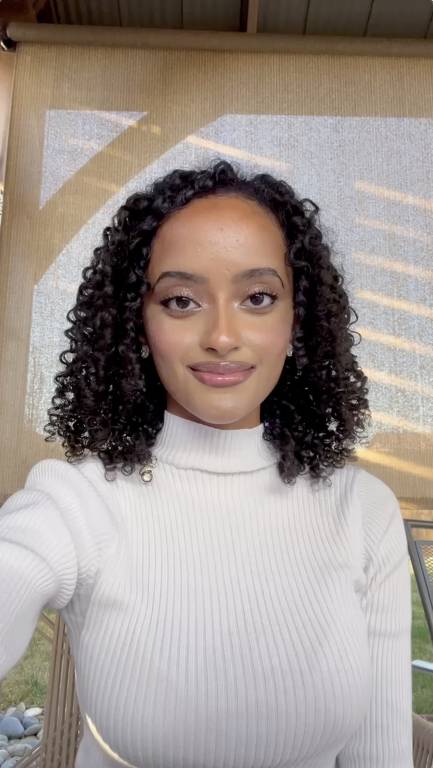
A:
x: 47, y: 550
x: 384, y: 740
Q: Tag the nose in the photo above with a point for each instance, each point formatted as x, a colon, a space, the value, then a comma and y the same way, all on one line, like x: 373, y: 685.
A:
x: 222, y: 329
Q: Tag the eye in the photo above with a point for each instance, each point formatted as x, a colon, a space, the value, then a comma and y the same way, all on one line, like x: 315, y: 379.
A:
x: 165, y: 302
x: 271, y: 295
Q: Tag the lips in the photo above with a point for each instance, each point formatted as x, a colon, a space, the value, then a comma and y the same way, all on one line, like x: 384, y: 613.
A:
x: 227, y: 379
x: 221, y: 368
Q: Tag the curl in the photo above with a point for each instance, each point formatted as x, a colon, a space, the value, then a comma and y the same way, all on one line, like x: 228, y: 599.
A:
x: 110, y: 402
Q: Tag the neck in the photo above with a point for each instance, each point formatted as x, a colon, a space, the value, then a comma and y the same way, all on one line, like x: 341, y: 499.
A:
x: 247, y: 422
x: 193, y: 445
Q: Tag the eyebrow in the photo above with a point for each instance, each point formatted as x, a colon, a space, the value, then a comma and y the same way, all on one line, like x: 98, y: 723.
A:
x: 200, y: 279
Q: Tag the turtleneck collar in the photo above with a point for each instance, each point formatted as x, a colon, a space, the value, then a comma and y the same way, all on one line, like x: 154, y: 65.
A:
x: 192, y: 445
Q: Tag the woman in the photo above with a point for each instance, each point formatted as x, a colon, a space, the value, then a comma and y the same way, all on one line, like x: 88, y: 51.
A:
x: 228, y: 603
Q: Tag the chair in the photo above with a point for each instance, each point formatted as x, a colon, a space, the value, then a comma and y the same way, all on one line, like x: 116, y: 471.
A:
x: 421, y: 555
x: 422, y: 741
x: 63, y: 723
x: 62, y: 728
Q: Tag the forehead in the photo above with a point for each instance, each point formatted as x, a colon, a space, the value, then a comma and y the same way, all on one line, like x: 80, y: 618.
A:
x: 223, y: 225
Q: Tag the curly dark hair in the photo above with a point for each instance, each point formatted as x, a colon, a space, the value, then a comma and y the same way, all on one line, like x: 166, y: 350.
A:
x: 110, y: 401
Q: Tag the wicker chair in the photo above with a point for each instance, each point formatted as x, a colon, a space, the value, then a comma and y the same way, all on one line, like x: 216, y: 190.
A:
x: 422, y: 741
x: 62, y: 728
x: 63, y: 725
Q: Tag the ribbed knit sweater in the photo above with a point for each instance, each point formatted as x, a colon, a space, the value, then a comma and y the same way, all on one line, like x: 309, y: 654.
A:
x: 218, y: 617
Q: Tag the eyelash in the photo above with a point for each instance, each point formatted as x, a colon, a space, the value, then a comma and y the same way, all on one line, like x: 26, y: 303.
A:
x: 164, y: 302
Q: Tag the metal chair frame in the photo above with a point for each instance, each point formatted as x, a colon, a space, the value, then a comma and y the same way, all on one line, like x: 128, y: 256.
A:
x: 423, y: 579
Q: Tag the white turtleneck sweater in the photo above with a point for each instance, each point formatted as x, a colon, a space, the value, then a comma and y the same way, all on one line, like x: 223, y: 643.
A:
x: 218, y: 618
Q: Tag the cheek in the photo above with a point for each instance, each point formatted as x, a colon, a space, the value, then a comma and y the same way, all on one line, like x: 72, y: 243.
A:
x: 156, y: 328
x: 164, y: 345
x: 272, y: 341
x: 167, y: 338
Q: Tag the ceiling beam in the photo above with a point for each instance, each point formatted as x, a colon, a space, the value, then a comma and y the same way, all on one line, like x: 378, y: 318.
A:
x: 136, y: 37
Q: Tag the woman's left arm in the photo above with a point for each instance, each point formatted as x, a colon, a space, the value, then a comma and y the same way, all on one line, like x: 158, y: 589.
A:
x: 384, y: 739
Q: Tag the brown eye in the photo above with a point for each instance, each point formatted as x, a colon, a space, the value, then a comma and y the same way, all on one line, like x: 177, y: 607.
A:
x: 166, y: 302
x: 273, y: 296
x: 182, y: 309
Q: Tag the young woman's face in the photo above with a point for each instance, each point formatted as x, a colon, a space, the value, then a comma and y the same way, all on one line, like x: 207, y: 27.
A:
x: 218, y: 317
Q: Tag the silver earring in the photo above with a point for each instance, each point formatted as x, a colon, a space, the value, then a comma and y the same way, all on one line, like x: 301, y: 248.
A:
x: 146, y: 472
x: 290, y: 351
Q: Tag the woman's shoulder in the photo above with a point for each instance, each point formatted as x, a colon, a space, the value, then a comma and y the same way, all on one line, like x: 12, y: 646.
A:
x: 87, y: 470
x: 373, y: 493
x: 380, y: 515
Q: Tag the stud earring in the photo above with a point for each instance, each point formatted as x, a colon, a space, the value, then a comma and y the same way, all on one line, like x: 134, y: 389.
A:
x: 290, y: 351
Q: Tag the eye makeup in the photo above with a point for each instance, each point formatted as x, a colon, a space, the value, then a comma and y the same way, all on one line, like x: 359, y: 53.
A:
x: 181, y: 294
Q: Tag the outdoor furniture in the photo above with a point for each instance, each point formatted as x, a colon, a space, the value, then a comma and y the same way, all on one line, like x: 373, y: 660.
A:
x: 422, y: 741
x: 421, y: 555
x: 62, y: 722
x: 62, y: 726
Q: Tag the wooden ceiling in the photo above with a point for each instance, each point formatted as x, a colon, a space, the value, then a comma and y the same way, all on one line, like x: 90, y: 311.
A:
x: 352, y: 18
